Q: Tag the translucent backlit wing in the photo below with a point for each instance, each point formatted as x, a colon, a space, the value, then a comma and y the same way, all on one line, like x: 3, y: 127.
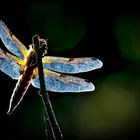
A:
x: 10, y: 65
x: 71, y: 65
x: 63, y: 83
x: 11, y: 42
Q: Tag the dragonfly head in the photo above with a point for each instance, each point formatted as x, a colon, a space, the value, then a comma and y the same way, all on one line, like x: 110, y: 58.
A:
x: 43, y: 46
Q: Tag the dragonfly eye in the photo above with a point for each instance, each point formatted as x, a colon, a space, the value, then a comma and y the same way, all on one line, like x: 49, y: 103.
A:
x: 43, y: 49
x: 43, y: 41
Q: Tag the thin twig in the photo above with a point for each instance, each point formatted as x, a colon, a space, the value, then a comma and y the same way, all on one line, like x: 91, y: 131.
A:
x: 45, y: 119
x: 57, y: 134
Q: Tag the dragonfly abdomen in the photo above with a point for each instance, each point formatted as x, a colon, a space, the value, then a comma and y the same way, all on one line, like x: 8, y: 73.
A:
x: 21, y: 88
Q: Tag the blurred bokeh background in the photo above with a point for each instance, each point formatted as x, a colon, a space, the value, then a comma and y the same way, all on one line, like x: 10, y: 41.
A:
x: 109, y: 31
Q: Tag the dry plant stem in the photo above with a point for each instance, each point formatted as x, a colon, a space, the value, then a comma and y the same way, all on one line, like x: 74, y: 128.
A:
x: 45, y: 119
x: 57, y: 134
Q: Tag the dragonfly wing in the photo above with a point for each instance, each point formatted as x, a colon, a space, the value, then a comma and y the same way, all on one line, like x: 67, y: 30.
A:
x: 10, y: 68
x: 10, y: 65
x: 63, y: 83
x: 71, y: 65
x: 11, y: 42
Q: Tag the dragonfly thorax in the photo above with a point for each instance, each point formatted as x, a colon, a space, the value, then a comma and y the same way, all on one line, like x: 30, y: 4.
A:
x: 31, y: 58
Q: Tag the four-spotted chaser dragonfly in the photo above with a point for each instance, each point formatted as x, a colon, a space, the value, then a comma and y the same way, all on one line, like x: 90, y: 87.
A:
x: 17, y: 65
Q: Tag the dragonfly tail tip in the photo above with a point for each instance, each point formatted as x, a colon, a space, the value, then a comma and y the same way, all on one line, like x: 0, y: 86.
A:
x: 9, y: 112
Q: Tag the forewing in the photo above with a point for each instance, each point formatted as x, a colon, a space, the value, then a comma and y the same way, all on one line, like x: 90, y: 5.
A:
x: 11, y: 42
x: 71, y: 65
x: 63, y: 83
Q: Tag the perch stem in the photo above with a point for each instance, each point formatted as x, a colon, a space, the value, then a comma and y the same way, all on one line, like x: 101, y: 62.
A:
x: 49, y: 113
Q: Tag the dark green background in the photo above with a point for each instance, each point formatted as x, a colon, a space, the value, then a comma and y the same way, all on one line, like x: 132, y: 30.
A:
x: 109, y: 31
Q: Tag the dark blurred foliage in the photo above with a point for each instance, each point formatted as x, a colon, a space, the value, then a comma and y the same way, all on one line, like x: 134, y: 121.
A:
x: 109, y: 31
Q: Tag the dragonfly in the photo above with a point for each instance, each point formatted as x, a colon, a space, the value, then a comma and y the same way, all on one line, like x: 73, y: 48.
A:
x: 16, y: 62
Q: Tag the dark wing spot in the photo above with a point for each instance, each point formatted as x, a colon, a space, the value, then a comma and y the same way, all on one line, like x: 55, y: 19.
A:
x: 62, y: 76
x: 11, y: 34
x: 87, y: 81
x: 93, y: 58
x: 71, y: 59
